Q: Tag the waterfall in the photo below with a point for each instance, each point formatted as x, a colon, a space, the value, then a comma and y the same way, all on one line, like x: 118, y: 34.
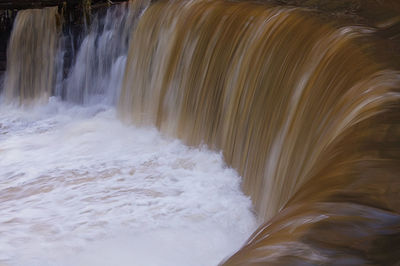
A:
x: 97, y: 72
x: 31, y: 69
x: 307, y: 111
x: 298, y: 106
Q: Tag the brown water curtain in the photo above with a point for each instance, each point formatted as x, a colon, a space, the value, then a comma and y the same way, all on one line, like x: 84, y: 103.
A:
x: 298, y: 106
x: 31, y: 55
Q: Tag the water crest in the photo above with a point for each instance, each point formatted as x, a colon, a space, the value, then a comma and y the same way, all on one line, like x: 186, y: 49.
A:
x: 306, y: 110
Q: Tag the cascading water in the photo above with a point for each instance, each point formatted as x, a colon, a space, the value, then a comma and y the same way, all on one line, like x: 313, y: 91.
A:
x: 100, y: 63
x: 275, y: 69
x: 77, y: 187
x: 31, y: 69
x: 306, y: 110
x: 296, y: 106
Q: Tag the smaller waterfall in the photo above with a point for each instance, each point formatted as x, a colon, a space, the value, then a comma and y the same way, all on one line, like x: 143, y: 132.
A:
x: 97, y: 73
x: 31, y: 68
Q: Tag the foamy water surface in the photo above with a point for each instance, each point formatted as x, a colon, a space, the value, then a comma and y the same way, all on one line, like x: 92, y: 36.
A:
x: 78, y: 187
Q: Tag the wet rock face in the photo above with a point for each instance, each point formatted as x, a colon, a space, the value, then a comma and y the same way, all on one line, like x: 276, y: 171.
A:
x: 6, y: 19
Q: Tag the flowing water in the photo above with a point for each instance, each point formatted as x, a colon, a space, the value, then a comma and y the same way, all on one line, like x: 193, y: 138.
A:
x: 31, y: 68
x: 99, y: 66
x: 78, y: 187
x: 305, y: 109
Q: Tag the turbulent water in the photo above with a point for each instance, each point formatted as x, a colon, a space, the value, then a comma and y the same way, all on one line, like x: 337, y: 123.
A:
x: 306, y: 110
x: 77, y: 187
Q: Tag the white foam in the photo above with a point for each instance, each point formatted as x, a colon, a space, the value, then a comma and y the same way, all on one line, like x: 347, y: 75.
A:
x: 77, y: 187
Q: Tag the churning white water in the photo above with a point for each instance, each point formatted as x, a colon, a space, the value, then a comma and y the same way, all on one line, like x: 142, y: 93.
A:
x: 78, y: 187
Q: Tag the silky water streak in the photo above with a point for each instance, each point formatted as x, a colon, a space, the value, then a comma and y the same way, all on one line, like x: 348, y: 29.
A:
x: 31, y: 55
x: 78, y: 187
x: 301, y: 107
x: 97, y: 71
x: 307, y: 111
